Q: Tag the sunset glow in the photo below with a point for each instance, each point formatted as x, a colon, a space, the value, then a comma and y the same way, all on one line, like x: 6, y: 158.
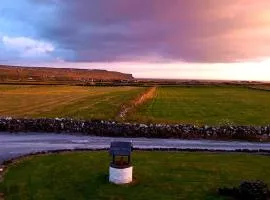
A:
x: 196, y: 39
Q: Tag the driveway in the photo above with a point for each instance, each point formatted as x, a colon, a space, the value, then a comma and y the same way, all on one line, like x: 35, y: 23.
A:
x: 14, y: 145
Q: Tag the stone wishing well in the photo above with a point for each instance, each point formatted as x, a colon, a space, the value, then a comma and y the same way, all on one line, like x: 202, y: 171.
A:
x: 120, y: 171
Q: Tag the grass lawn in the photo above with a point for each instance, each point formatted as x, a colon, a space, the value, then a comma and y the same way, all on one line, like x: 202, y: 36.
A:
x: 158, y: 175
x: 207, y: 105
x: 64, y: 101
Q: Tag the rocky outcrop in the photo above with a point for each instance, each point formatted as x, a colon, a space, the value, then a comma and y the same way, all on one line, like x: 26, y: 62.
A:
x: 116, y: 129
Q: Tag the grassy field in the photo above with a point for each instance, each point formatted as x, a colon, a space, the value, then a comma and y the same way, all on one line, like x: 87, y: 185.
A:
x: 64, y: 101
x: 196, y: 105
x: 207, y: 105
x: 158, y: 175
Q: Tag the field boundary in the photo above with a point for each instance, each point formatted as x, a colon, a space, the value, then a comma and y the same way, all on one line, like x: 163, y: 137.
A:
x: 120, y: 129
x: 141, y: 99
x: 259, y: 88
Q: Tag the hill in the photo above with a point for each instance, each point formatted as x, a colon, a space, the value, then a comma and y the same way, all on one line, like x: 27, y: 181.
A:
x: 45, y: 74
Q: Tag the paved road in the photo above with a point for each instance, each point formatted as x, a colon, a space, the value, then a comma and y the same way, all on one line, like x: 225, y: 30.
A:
x: 12, y: 146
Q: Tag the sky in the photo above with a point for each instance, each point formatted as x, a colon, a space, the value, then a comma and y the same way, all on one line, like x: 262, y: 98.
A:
x: 185, y: 39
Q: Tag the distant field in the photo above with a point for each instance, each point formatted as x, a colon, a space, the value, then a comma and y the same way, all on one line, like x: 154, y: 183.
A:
x: 158, y: 175
x: 64, y: 101
x: 207, y: 105
x: 196, y: 105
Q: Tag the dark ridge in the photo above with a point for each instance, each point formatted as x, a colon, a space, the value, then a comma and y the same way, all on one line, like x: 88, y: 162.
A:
x: 46, y: 74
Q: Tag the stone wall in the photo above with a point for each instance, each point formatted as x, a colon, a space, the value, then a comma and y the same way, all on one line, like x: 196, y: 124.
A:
x: 116, y: 129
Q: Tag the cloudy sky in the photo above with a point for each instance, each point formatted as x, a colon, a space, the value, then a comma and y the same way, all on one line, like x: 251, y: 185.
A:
x: 205, y: 39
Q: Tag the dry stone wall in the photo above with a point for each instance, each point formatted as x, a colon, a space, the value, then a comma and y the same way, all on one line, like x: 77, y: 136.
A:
x: 117, y: 129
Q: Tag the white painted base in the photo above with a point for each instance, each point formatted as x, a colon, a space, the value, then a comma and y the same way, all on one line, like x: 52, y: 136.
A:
x: 120, y: 176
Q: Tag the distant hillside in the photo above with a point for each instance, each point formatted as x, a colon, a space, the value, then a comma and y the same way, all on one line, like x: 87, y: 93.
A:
x: 18, y: 73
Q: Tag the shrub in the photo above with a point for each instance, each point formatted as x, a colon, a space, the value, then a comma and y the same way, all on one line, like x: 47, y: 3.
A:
x: 248, y: 190
x: 256, y: 190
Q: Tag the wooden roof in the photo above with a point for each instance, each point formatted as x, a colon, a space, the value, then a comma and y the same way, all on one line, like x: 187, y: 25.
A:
x: 120, y: 148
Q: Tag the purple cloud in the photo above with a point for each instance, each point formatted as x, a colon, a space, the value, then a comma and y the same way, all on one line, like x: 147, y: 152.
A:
x: 194, y: 31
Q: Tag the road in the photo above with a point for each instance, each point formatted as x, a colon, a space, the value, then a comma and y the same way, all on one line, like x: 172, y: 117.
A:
x: 12, y: 146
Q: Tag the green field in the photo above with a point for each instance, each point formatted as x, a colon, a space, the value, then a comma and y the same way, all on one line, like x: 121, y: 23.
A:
x: 207, y: 105
x: 64, y: 101
x: 196, y: 105
x: 158, y: 175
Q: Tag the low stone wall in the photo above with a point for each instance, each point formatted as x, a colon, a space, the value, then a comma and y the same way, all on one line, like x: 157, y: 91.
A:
x: 115, y: 129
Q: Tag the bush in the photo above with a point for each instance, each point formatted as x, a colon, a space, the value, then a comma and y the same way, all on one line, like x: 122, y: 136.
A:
x: 248, y: 190
x: 253, y: 190
x: 231, y: 192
